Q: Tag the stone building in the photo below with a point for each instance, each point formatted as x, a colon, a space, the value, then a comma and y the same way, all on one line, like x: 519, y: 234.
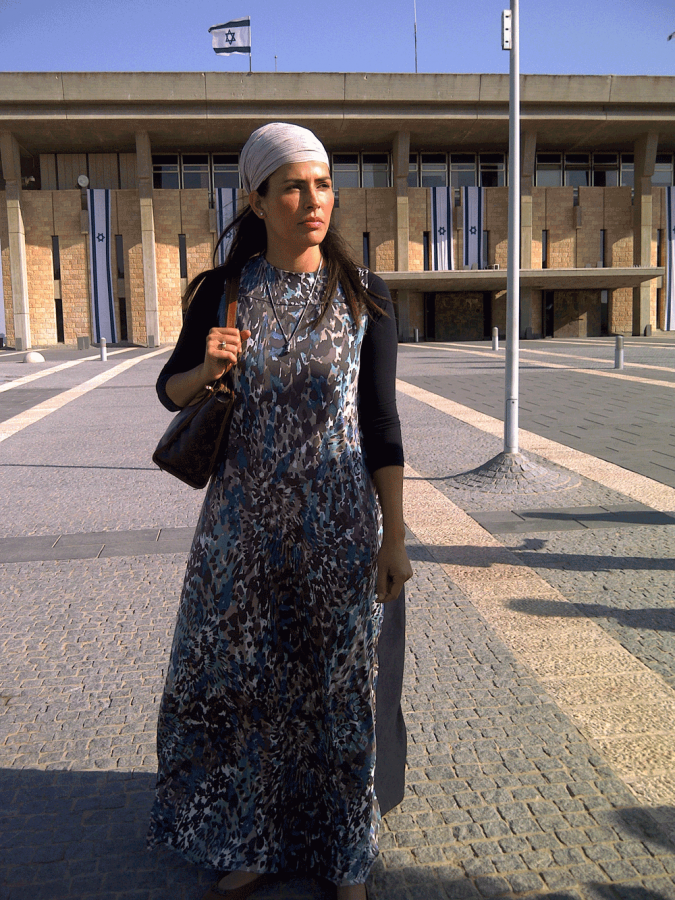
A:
x: 597, y: 155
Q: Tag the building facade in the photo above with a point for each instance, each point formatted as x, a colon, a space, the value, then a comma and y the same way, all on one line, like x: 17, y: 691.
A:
x: 597, y: 156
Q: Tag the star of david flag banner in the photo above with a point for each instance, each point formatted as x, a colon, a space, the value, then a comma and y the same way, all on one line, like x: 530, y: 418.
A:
x: 441, y: 229
x: 100, y: 266
x: 473, y: 208
x: 226, y: 210
x: 670, y: 263
x: 232, y: 37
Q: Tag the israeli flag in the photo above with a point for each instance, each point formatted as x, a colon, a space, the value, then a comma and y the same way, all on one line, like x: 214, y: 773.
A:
x: 226, y: 210
x: 441, y: 225
x: 232, y: 37
x: 670, y: 263
x: 100, y: 266
x: 473, y: 207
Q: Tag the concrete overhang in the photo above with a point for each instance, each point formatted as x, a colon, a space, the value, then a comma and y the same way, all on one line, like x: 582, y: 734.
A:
x: 537, y: 279
x: 86, y: 111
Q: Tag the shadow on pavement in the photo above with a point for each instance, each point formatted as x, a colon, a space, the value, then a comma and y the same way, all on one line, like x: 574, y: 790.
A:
x: 484, y: 557
x: 81, y: 836
x: 651, y: 618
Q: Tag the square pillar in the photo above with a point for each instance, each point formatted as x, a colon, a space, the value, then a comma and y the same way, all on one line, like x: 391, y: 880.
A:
x: 144, y: 172
x: 401, y: 159
x: 11, y: 168
x: 645, y: 159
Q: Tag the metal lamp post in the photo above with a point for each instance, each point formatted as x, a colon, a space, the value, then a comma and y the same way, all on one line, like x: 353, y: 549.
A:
x: 510, y: 37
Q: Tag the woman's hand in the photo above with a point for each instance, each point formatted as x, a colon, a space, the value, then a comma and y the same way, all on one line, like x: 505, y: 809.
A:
x: 393, y: 569
x: 186, y: 388
x: 223, y: 348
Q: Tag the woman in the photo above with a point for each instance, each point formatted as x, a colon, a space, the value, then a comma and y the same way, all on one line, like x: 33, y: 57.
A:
x: 266, y: 727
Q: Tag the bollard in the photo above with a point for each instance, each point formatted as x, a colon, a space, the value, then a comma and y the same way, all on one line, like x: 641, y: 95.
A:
x: 104, y: 350
x: 495, y: 339
x: 417, y: 335
x: 618, y: 352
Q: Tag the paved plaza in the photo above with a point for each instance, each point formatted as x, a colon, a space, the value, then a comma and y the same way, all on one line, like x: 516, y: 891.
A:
x: 539, y: 690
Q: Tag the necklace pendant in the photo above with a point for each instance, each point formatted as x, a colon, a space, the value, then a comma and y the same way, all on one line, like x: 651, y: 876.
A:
x: 283, y: 352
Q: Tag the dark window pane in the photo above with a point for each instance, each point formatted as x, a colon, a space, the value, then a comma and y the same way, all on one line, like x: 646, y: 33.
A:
x: 226, y: 179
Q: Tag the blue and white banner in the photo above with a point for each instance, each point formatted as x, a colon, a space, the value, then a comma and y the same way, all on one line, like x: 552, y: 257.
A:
x: 441, y: 229
x: 100, y: 266
x: 232, y: 37
x: 226, y: 210
x: 473, y: 209
x: 670, y: 260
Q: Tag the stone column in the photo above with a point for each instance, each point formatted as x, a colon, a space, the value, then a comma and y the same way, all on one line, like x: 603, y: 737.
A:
x: 144, y: 169
x: 528, y: 152
x: 401, y: 164
x: 11, y: 168
x: 645, y: 159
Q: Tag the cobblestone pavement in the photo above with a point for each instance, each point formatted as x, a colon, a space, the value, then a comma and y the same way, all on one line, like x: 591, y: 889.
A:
x: 534, y: 623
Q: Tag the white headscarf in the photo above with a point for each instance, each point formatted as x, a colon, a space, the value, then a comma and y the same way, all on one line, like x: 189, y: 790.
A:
x: 276, y: 145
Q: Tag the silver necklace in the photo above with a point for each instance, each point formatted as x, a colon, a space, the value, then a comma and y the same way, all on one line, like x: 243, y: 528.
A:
x: 285, y: 350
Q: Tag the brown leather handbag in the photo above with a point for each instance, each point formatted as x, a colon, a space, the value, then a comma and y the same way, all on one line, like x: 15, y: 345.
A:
x: 195, y: 441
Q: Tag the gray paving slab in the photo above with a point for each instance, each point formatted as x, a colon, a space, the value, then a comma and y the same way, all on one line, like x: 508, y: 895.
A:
x: 480, y: 385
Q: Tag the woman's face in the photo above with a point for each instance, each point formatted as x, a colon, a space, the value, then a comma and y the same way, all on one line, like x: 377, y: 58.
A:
x: 297, y: 206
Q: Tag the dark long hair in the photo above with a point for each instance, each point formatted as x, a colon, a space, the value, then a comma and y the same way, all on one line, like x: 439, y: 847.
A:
x: 249, y: 238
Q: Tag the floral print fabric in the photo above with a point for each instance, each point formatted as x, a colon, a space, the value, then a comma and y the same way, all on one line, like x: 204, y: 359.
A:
x: 266, y: 740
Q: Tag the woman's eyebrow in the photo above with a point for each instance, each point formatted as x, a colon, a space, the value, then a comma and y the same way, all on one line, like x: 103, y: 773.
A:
x: 305, y: 180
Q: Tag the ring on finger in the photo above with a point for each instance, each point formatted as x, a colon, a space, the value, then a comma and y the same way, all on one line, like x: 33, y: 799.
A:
x: 223, y: 345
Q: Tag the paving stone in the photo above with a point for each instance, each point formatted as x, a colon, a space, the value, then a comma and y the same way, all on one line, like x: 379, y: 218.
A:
x: 506, y: 795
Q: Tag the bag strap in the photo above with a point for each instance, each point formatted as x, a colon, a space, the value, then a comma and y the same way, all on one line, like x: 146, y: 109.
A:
x: 232, y: 292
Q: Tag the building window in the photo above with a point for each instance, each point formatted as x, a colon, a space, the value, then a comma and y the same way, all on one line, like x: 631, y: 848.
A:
x: 462, y: 170
x: 345, y: 170
x: 225, y: 170
x: 366, y: 249
x: 413, y: 171
x: 426, y: 250
x: 492, y: 170
x: 182, y: 256
x: 196, y: 170
x: 119, y: 259
x: 549, y: 169
x: 577, y: 170
x: 374, y: 170
x: 544, y: 249
x: 119, y: 255
x: 663, y: 170
x: 627, y: 170
x: 605, y: 169
x: 603, y: 248
x: 165, y: 172
x: 56, y: 258
x: 434, y: 170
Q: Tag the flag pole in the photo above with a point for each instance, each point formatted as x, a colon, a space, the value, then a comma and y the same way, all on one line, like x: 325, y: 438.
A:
x: 415, y: 12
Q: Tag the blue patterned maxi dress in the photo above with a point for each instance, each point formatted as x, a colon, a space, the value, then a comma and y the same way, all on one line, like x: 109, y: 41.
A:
x: 266, y: 729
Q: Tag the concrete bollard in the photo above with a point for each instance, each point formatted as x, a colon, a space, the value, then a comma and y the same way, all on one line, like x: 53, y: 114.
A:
x: 495, y: 339
x: 618, y: 352
x: 104, y: 350
x: 417, y: 335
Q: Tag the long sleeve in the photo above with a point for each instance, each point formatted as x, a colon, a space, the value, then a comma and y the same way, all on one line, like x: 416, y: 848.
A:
x: 201, y: 316
x: 378, y: 416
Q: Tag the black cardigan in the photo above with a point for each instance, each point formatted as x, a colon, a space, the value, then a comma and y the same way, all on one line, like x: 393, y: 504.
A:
x: 378, y: 416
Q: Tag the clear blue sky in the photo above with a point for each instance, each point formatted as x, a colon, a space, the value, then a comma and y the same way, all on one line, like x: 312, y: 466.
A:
x: 624, y: 37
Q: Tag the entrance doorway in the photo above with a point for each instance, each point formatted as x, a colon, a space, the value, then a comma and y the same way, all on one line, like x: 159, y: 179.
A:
x: 547, y: 313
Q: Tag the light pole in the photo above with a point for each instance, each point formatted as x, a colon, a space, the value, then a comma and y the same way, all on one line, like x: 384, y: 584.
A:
x: 510, y: 37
